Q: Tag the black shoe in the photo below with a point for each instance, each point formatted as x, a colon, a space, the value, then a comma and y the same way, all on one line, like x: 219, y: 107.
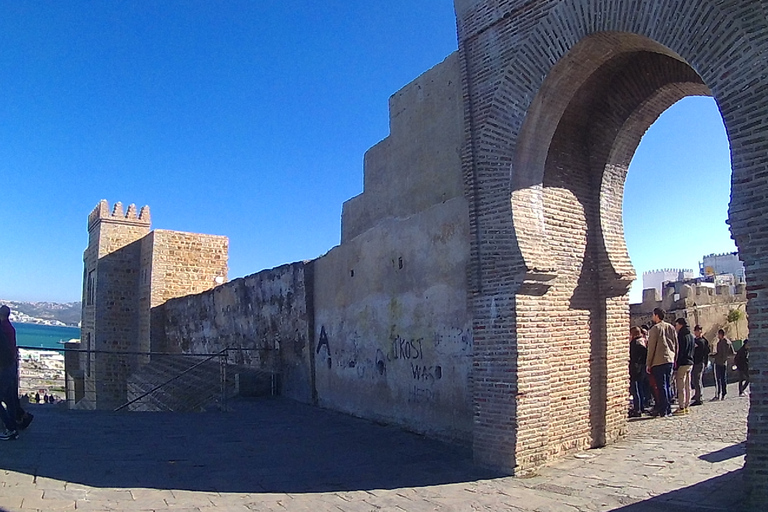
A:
x: 697, y: 402
x: 25, y: 421
x: 9, y: 435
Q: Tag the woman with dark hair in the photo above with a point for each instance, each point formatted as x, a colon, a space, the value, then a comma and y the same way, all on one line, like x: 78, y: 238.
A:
x: 637, y: 356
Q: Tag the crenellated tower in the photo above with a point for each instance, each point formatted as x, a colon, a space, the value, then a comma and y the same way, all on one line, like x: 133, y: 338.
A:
x: 111, y: 310
x: 129, y: 270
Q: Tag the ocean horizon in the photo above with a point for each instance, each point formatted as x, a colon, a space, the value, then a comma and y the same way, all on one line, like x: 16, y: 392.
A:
x: 44, y: 336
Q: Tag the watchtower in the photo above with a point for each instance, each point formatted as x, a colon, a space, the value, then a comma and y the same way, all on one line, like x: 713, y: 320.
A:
x: 111, y: 309
x: 128, y: 272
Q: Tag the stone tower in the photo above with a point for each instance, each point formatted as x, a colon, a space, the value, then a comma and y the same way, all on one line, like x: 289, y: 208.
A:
x: 111, y: 309
x: 128, y: 272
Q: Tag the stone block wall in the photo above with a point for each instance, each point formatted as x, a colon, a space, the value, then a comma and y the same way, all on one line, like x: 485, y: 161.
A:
x: 111, y: 310
x: 127, y: 271
x: 698, y: 304
x: 176, y: 264
x: 268, y: 315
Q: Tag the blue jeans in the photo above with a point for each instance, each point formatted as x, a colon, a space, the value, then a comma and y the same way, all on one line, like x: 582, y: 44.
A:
x: 638, y: 395
x: 662, y: 374
x: 8, y: 396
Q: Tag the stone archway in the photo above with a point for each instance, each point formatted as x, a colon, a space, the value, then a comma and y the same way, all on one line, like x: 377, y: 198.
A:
x: 558, y: 96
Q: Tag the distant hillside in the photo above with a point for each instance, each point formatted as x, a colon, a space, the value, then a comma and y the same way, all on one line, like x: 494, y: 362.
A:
x: 52, y: 313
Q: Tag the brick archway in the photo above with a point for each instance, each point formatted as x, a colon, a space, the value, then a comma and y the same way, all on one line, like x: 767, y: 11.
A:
x: 558, y: 95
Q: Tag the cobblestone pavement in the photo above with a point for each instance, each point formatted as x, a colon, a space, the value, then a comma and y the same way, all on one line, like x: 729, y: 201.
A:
x: 275, y: 455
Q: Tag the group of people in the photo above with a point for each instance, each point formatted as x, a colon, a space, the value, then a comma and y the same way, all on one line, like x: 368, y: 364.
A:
x: 14, y: 418
x: 667, y: 362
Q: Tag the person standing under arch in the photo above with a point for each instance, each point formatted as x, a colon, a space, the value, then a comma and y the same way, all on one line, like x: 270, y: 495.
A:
x: 683, y: 364
x: 723, y: 353
x: 638, y: 354
x: 700, y: 361
x: 662, y: 352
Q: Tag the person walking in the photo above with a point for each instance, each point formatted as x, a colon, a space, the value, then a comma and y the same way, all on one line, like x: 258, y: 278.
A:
x: 23, y: 418
x: 683, y: 364
x: 723, y: 352
x: 742, y: 364
x: 637, y: 356
x: 700, y: 361
x: 662, y: 352
x: 7, y: 390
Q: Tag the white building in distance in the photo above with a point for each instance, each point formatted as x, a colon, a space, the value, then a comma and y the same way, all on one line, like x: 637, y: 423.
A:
x: 721, y: 264
x: 656, y: 278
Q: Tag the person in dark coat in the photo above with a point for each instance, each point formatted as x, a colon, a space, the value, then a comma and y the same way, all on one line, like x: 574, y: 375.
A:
x: 8, y: 376
x: 723, y: 352
x: 683, y: 365
x: 700, y: 361
x: 637, y: 356
x: 23, y: 418
x: 742, y: 364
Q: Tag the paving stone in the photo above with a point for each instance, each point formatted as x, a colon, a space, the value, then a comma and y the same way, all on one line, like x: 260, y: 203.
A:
x: 645, y: 471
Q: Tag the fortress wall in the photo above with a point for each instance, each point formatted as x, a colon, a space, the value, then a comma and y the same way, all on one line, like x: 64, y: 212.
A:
x: 268, y: 313
x: 393, y: 335
x: 406, y: 172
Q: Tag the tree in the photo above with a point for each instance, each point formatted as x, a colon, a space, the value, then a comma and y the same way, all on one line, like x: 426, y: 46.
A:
x: 733, y: 317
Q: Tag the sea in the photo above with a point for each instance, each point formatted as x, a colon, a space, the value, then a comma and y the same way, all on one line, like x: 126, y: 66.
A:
x: 44, y: 336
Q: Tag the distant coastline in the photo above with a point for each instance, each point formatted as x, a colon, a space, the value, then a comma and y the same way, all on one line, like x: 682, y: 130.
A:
x: 45, y: 313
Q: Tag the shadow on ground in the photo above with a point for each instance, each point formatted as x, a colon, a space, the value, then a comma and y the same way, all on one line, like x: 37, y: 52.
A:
x: 724, y: 492
x: 267, y: 445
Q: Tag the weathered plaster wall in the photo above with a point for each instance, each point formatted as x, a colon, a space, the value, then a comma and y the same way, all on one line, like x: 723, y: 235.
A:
x: 267, y: 314
x: 407, y: 171
x: 391, y: 318
x: 392, y: 323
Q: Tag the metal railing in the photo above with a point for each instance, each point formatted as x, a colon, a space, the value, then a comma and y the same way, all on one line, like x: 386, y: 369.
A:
x: 155, y: 381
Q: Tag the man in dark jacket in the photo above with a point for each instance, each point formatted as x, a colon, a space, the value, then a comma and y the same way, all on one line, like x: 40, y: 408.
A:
x: 8, y: 376
x: 683, y: 364
x: 23, y: 418
x: 742, y: 364
x: 700, y: 361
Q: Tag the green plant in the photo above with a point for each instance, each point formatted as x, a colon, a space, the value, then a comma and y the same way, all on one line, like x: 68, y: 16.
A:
x: 733, y: 317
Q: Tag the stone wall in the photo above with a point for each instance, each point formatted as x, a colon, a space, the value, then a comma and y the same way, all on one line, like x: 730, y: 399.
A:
x: 267, y: 315
x: 419, y: 163
x: 127, y: 271
x: 178, y: 264
x: 704, y: 305
x: 392, y: 334
x: 111, y: 309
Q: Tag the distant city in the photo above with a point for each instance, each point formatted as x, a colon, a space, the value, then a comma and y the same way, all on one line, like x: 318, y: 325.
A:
x: 45, y: 313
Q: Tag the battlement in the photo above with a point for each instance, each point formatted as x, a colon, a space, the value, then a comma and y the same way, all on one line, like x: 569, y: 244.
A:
x: 720, y: 255
x: 648, y: 272
x: 102, y: 213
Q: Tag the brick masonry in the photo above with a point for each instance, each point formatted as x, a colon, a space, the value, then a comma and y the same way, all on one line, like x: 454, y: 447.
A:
x: 128, y: 271
x: 557, y: 95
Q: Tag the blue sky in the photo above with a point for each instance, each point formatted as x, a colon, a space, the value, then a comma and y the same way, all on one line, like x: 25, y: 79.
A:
x: 250, y: 119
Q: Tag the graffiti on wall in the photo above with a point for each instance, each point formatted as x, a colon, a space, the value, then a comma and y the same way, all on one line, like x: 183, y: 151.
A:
x: 323, y: 342
x: 415, y: 360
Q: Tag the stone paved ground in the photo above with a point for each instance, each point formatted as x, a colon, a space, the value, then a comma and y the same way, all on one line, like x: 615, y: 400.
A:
x: 274, y: 455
